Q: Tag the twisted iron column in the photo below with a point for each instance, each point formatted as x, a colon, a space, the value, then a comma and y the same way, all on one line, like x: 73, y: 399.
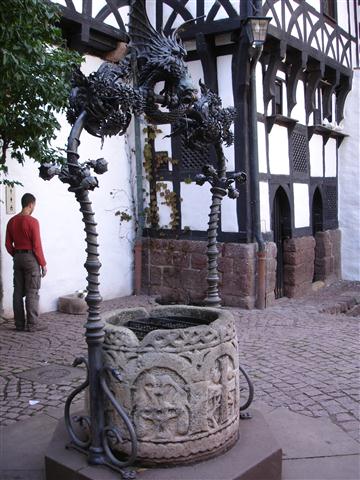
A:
x: 221, y: 185
x: 212, y: 298
x: 94, y: 330
x: 94, y: 326
x: 100, y: 436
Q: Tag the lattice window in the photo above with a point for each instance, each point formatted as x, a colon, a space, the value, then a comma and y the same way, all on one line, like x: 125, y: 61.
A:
x: 300, y: 152
x: 192, y: 159
x: 331, y: 202
x: 278, y: 98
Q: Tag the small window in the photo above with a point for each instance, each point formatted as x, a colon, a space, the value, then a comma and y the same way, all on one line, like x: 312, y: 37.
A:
x: 318, y: 109
x: 329, y: 8
x: 277, y: 103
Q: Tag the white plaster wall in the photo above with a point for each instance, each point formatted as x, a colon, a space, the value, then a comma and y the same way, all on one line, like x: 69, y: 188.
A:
x: 62, y: 228
x: 314, y: 3
x: 229, y: 221
x: 330, y: 158
x: 316, y: 156
x: 167, y: 11
x: 162, y: 140
x: 227, y: 97
x: 262, y: 147
x: 195, y: 206
x: 284, y: 98
x: 353, y: 24
x: 225, y: 80
x: 196, y: 72
x: 279, y: 151
x: 164, y: 209
x: 301, y: 205
x: 342, y: 15
x: 265, y: 221
x: 282, y: 76
x: 259, y: 89
x: 349, y: 186
x: 222, y: 12
x: 298, y: 112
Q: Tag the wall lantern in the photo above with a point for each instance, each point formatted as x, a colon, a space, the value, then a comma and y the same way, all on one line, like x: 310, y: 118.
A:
x: 256, y: 28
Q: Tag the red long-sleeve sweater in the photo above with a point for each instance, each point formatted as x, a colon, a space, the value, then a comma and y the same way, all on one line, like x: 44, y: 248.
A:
x: 23, y: 233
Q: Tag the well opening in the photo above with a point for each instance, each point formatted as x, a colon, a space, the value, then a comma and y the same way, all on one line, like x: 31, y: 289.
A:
x: 143, y: 326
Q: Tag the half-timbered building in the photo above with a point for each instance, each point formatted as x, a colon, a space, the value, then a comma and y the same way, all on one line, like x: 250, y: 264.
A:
x: 301, y: 201
x: 302, y: 81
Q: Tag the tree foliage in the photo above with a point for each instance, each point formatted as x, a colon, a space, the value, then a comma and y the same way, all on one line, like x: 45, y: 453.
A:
x: 35, y: 74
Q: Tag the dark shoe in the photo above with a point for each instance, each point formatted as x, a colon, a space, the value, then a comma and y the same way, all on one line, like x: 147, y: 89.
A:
x: 20, y: 329
x: 36, y: 328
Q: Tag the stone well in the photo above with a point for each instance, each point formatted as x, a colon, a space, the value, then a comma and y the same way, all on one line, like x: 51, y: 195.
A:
x: 179, y: 373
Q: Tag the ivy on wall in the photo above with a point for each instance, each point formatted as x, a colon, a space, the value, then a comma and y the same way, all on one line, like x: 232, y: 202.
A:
x: 153, y: 162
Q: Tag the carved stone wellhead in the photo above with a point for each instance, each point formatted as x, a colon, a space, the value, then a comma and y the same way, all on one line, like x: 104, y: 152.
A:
x: 180, y: 386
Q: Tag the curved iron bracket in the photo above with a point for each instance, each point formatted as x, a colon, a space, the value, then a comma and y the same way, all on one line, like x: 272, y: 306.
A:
x: 112, y: 433
x: 83, y: 421
x: 248, y: 402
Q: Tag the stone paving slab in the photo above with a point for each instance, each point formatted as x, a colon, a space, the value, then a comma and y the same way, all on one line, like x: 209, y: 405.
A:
x: 241, y: 462
x: 330, y: 468
x: 23, y: 446
x: 306, y: 437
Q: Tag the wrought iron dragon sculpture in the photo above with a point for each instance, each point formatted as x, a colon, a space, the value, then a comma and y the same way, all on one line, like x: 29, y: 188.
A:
x: 103, y: 104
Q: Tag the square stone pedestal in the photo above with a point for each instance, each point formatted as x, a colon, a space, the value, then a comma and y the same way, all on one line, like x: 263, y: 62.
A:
x: 255, y: 456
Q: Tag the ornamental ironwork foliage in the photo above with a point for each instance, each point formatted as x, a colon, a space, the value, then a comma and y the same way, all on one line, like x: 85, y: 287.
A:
x: 109, y: 97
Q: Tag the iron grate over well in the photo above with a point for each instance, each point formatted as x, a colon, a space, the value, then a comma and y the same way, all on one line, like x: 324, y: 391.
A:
x: 142, y: 327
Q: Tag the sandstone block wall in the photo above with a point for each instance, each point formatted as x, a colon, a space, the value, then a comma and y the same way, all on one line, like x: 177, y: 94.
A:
x: 271, y: 263
x: 299, y: 256
x: 175, y: 270
x: 328, y: 255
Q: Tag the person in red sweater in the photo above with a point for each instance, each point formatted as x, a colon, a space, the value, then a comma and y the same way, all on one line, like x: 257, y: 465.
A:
x: 23, y: 242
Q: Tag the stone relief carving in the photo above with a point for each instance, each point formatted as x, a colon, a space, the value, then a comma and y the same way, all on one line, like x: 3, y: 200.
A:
x: 184, y: 394
x: 161, y: 407
x: 221, y: 392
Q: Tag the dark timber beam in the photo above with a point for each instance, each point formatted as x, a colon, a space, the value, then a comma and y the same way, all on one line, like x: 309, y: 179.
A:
x: 297, y: 61
x: 332, y: 79
x: 205, y: 46
x: 314, y: 74
x: 241, y: 81
x: 276, y: 56
x: 342, y: 92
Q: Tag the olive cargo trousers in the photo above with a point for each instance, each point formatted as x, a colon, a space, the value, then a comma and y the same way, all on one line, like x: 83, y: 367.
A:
x: 27, y: 281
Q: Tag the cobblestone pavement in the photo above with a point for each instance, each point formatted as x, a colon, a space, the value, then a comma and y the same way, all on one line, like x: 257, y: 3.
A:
x: 304, y: 354
x: 301, y: 354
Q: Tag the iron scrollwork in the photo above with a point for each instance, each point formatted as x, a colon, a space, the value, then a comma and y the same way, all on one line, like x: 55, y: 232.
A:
x: 83, y: 421
x: 112, y: 434
x: 243, y: 414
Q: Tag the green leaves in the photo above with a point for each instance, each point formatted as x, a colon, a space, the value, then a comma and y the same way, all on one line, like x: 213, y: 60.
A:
x: 36, y: 69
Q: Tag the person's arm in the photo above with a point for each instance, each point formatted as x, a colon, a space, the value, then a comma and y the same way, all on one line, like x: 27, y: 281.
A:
x: 37, y: 247
x: 9, y: 241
